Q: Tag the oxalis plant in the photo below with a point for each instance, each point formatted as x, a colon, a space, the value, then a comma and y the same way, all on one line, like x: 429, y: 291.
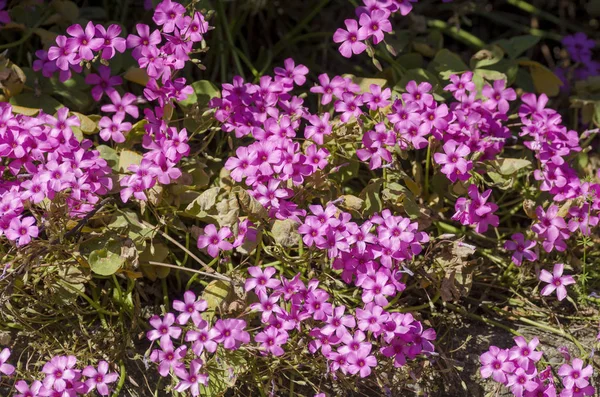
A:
x: 276, y: 236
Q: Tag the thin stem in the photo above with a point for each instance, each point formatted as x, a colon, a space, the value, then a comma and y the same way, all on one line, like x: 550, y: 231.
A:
x: 457, y: 33
x: 187, y: 269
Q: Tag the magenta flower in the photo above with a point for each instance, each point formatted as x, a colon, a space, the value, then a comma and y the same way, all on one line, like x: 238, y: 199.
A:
x: 261, y: 279
x: 102, y: 82
x: 163, y: 328
x: 34, y: 390
x: 418, y: 94
x: 495, y: 363
x: 59, y: 370
x: 376, y: 23
x: 168, y: 14
x: 575, y: 375
x: 100, y: 378
x: 556, y: 282
x: 83, y: 41
x: 267, y: 305
x: 521, y: 248
x: 42, y: 63
x: 114, y: 128
x: 498, y: 95
x: 339, y: 323
x: 328, y: 89
x: 231, y: 333
x: 22, y: 230
x: 453, y: 162
x: 292, y: 73
x: 121, y: 105
x: 111, y: 41
x: 271, y: 340
x: 376, y: 288
x: 192, y: 379
x: 460, y: 84
x: 351, y: 39
x: 143, y: 40
x: 319, y: 127
x: 371, y: 318
x: 361, y: 361
x: 202, y: 338
x: 349, y: 106
x: 521, y: 382
x: 65, y: 54
x: 190, y: 308
x: 214, y: 240
x: 524, y: 354
x: 376, y: 98
x: 317, y: 305
x: 168, y: 357
x: 551, y: 227
x: 5, y: 368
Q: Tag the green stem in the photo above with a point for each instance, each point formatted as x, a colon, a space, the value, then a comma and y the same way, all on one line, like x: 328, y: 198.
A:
x: 457, y: 33
x: 89, y: 300
x: 229, y: 38
x: 517, y: 26
x: 530, y: 8
x: 122, y: 377
x: 427, y: 162
x: 28, y: 33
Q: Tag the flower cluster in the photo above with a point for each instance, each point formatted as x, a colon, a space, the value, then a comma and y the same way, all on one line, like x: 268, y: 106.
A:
x: 580, y: 49
x: 186, y: 364
x: 517, y: 368
x: 373, y: 22
x: 475, y: 210
x: 63, y: 378
x: 216, y: 240
x: 44, y: 160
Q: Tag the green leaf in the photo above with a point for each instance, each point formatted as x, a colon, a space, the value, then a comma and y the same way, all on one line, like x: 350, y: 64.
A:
x: 544, y: 80
x: 216, y: 293
x: 510, y: 166
x: 204, y: 91
x: 448, y: 62
x: 88, y: 126
x: 372, y: 197
x: 156, y: 252
x: 67, y: 9
x: 205, y: 201
x: 30, y: 100
x: 285, y: 233
x: 106, y: 261
x: 409, y: 61
x: 365, y: 83
x: 486, y: 57
x: 127, y: 158
x: 517, y: 45
x: 110, y: 155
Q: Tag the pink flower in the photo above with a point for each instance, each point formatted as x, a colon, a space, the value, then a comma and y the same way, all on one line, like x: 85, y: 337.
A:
x: 59, y: 370
x: 192, y: 379
x: 168, y: 357
x: 376, y: 288
x: 114, y: 128
x: 215, y: 240
x: 65, y: 54
x: 319, y: 128
x: 111, y: 41
x: 338, y: 323
x: 271, y: 340
x: 453, y: 162
x: 524, y: 353
x: 576, y: 375
x: 168, y: 14
x: 36, y: 389
x: 190, y: 308
x: 163, y: 328
x: 361, y: 361
x: 102, y: 82
x: 349, y: 106
x: 83, y: 41
x: 291, y: 74
x: 22, y: 230
x: 202, y: 338
x: 121, y: 105
x: 498, y: 95
x: 99, y: 379
x: 261, y: 279
x: 520, y: 382
x: 5, y: 368
x: 522, y: 249
x: 495, y: 363
x: 351, y: 39
x: 376, y: 98
x: 328, y: 89
x: 376, y: 23
x: 556, y: 281
x: 231, y: 333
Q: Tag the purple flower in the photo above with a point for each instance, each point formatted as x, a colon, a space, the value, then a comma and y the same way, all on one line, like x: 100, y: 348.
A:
x: 261, y: 279
x: 191, y: 380
x: 338, y: 323
x: 83, y: 41
x: 498, y: 95
x: 579, y: 46
x: 5, y: 368
x: 144, y: 41
x: 59, y: 370
x: 114, y: 128
x: 522, y: 248
x: 349, y: 106
x: 520, y: 382
x: 99, y: 379
x: 376, y: 288
x: 168, y: 357
x: 42, y: 63
x: 376, y: 98
x: 361, y: 361
x: 267, y: 305
x: 231, y: 333
x: 21, y: 230
x: 495, y: 363
x: 351, y: 39
x: 524, y: 354
x: 190, y: 308
x: 102, y: 82
x: 551, y: 227
x: 202, y: 338
x: 575, y: 375
x: 36, y: 389
x: 111, y: 41
x: 328, y: 89
x: 121, y: 105
x: 65, y: 54
x: 271, y: 340
x: 376, y: 23
x: 418, y: 94
x: 556, y: 281
x: 371, y: 318
x: 215, y: 240
x: 319, y: 128
x: 168, y: 14
x: 453, y: 162
x: 291, y: 74
x: 163, y: 328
